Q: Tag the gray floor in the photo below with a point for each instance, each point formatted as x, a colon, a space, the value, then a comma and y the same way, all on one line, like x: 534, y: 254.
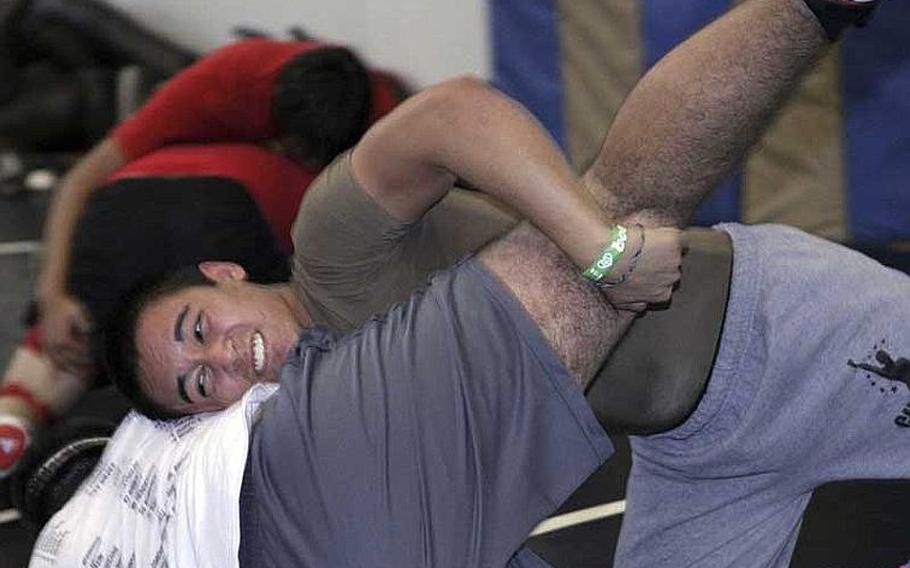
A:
x: 21, y: 216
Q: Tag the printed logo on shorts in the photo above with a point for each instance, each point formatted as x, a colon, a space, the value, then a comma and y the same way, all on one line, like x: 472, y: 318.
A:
x: 885, y: 372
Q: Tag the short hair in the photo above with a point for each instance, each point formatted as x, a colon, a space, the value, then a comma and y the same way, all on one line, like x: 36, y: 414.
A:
x: 118, y: 338
x: 322, y: 101
x: 135, y: 232
x: 135, y: 229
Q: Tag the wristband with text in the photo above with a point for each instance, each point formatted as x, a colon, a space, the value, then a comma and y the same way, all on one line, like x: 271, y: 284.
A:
x: 610, y: 254
x: 633, y: 262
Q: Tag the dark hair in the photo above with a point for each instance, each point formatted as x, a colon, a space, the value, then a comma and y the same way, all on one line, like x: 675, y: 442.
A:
x: 134, y: 229
x: 322, y: 102
x: 118, y: 337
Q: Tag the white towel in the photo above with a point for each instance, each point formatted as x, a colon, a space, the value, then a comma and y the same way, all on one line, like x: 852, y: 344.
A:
x: 163, y: 494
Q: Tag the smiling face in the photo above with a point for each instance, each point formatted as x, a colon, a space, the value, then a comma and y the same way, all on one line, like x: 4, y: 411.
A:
x: 201, y: 348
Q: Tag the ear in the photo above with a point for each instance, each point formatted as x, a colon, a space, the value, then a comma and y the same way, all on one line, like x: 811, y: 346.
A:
x: 218, y: 271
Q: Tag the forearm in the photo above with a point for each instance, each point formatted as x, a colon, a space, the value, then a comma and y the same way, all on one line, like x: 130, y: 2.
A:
x: 697, y: 111
x: 464, y: 129
x: 67, y: 206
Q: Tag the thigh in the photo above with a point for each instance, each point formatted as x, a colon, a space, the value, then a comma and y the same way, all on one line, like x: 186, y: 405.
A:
x: 440, y: 434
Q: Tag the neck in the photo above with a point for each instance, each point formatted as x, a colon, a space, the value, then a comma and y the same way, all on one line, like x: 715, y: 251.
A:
x: 294, y: 306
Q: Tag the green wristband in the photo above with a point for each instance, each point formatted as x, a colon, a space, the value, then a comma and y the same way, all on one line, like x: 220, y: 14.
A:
x: 609, y: 256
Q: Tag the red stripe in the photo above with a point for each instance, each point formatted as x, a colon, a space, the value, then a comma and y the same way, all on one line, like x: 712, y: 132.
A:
x: 16, y: 391
x: 32, y: 340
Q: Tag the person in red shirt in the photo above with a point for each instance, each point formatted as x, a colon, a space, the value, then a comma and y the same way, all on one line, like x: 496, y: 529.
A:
x: 316, y: 100
x: 274, y: 183
x: 306, y: 100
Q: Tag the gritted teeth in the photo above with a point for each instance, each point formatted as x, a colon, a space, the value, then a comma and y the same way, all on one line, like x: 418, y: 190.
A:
x: 258, y: 347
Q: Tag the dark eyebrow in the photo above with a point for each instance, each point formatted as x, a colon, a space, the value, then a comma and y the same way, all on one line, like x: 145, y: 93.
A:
x: 181, y: 388
x: 178, y: 325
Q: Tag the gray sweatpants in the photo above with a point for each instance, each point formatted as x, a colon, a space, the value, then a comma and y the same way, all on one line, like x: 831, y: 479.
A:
x: 809, y: 386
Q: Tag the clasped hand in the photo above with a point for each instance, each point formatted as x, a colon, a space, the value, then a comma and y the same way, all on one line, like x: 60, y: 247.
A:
x: 65, y: 328
x: 656, y: 273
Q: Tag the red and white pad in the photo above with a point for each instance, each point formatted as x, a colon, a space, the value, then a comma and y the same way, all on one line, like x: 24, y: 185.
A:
x: 14, y: 439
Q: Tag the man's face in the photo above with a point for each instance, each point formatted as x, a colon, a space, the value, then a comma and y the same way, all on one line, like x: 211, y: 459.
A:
x: 201, y: 348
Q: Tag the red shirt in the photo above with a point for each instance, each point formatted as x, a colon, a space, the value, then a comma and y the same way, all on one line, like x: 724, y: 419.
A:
x: 275, y: 183
x: 226, y: 96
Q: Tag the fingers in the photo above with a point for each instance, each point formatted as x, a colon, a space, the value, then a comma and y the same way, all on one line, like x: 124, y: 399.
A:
x: 65, y: 329
x: 71, y: 362
x: 636, y: 307
x: 69, y: 355
x: 658, y: 271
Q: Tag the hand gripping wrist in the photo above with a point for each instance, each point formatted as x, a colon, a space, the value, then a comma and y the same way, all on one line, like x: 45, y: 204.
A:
x: 609, y: 257
x: 633, y: 261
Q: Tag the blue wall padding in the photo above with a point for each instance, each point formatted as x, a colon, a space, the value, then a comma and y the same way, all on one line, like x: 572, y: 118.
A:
x: 666, y: 23
x: 876, y: 71
x: 526, y: 58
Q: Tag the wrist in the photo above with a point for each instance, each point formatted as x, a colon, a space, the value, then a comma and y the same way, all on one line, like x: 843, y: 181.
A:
x: 634, y: 249
x: 48, y: 292
x: 618, y: 256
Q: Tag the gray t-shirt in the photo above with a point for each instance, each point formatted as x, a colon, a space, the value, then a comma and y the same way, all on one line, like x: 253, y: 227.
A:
x: 352, y: 260
x: 437, y: 435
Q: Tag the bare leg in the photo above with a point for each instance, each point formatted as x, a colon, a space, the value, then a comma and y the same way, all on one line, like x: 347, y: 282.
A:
x: 682, y: 128
x: 573, y: 317
x: 679, y: 133
x: 697, y: 111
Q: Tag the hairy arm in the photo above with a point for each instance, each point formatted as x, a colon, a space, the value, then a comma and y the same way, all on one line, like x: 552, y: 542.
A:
x: 463, y: 129
x: 679, y: 132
